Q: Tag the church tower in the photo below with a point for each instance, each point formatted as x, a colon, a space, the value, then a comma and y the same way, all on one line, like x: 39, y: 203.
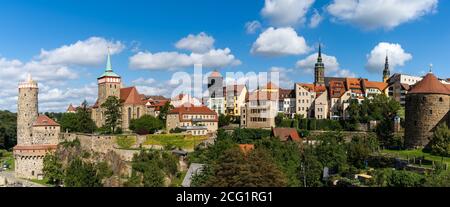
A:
x: 215, y: 85
x: 27, y: 110
x: 319, y: 70
x: 109, y: 83
x: 386, y: 71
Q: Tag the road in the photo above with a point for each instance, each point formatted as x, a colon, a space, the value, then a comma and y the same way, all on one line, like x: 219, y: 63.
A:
x: 12, y: 181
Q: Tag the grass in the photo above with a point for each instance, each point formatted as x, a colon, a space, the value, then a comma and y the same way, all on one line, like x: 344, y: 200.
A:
x: 41, y: 182
x: 178, y: 180
x: 416, y: 153
x: 8, y: 158
x: 126, y: 142
x: 177, y: 140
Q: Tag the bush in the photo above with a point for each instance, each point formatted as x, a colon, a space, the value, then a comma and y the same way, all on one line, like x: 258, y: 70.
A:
x: 176, y: 130
x: 146, y: 125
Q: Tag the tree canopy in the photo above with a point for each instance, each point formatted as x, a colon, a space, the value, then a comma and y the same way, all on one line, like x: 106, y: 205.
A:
x: 146, y: 125
x: 113, y: 113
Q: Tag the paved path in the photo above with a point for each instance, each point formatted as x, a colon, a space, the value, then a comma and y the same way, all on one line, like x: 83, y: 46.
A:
x: 12, y: 181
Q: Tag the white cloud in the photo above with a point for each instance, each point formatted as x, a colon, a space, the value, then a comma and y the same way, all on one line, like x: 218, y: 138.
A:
x: 53, y: 71
x: 252, y: 27
x: 376, y: 58
x: 315, y: 19
x: 141, y: 81
x: 281, y: 41
x: 332, y: 67
x: 283, y: 13
x: 90, y: 52
x: 173, y: 60
x: 285, y: 76
x: 373, y: 14
x: 199, y: 43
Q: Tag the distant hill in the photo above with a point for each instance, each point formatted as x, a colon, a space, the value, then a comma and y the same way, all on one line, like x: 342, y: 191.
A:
x: 8, y: 127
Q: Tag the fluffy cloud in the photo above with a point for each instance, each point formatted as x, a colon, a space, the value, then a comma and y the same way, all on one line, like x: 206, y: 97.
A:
x: 376, y: 58
x: 285, y: 76
x: 280, y: 41
x: 283, y: 13
x: 173, y: 60
x: 203, y: 52
x: 199, y: 43
x: 90, y: 52
x: 332, y: 67
x: 252, y: 27
x: 53, y: 71
x: 373, y: 14
x: 315, y: 19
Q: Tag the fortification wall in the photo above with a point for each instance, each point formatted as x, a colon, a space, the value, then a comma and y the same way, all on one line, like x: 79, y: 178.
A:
x: 424, y: 112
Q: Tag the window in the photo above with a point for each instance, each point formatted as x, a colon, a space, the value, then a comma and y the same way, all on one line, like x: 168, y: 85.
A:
x: 431, y: 112
x: 441, y: 100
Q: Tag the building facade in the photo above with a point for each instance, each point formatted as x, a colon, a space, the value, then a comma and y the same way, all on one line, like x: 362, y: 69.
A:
x: 261, y: 108
x: 193, y: 118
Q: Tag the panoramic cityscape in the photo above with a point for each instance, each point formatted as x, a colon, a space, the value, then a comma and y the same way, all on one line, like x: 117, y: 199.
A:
x: 288, y: 93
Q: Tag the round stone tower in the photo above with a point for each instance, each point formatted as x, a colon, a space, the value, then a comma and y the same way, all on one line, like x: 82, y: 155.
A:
x: 427, y: 105
x: 27, y: 110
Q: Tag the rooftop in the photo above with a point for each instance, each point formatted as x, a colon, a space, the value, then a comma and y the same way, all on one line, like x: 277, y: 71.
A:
x: 44, y: 120
x: 430, y: 84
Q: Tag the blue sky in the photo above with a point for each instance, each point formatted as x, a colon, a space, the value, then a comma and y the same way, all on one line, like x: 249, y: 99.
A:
x: 41, y: 37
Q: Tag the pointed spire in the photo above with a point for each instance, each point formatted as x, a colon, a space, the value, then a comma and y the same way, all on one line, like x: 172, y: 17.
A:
x: 319, y: 59
x: 108, y: 62
x: 431, y: 68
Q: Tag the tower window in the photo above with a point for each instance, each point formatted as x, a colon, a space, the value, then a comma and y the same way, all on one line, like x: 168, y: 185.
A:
x: 424, y: 99
x: 441, y: 99
x: 431, y: 112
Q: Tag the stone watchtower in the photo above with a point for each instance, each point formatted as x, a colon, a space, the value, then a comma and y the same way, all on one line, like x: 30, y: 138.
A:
x: 427, y: 106
x: 215, y: 85
x: 319, y: 70
x: 27, y: 110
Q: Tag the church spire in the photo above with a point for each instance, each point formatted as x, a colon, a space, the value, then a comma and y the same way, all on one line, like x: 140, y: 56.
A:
x: 108, y: 62
x: 319, y: 69
x: 386, y: 71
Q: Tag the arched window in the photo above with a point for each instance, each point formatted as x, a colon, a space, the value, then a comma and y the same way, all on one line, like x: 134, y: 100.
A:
x: 441, y: 99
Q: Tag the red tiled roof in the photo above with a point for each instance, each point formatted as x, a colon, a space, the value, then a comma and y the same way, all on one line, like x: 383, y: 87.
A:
x: 286, y: 134
x: 71, y: 108
x: 378, y: 85
x: 337, y: 88
x: 130, y: 96
x: 313, y: 88
x: 44, y: 120
x: 193, y: 110
x: 406, y: 86
x: 431, y: 85
x: 215, y: 74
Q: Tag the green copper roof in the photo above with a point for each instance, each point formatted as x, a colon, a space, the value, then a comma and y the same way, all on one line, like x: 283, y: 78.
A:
x: 109, y: 71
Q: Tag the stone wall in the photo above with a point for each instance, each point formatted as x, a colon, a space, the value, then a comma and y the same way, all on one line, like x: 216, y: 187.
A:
x: 27, y: 113
x: 29, y: 166
x: 424, y: 112
x: 45, y: 135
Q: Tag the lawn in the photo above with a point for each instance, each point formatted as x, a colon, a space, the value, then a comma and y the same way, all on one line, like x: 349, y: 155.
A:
x: 416, y: 153
x: 9, y: 158
x: 177, y: 140
x: 41, y: 182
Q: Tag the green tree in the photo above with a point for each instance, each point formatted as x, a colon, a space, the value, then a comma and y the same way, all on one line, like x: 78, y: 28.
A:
x: 279, y: 119
x: 146, y: 125
x: 113, y: 113
x: 310, y: 172
x: 358, y: 152
x: 440, y: 142
x: 69, y: 122
x: 353, y: 111
x: 403, y: 178
x: 53, y: 169
x: 8, y: 127
x: 235, y: 169
x: 331, y: 152
x: 164, y: 111
x: 85, y: 122
x: 224, y: 120
x: 80, y: 174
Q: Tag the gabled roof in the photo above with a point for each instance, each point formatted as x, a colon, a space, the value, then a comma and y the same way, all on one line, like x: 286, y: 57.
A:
x: 191, y: 109
x: 130, y: 96
x: 286, y: 134
x: 313, y: 88
x: 44, y: 120
x: 336, y: 88
x: 378, y: 85
x: 71, y: 108
x: 287, y: 93
x: 429, y: 85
